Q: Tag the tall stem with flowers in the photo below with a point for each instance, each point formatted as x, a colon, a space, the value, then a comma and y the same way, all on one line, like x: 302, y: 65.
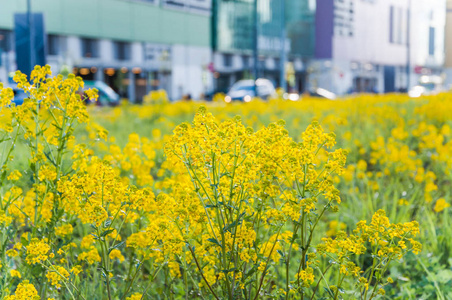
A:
x: 249, y: 202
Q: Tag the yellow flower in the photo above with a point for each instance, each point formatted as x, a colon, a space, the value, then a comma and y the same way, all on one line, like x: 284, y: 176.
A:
x: 63, y: 230
x: 76, y: 270
x: 6, y: 96
x: 115, y: 253
x: 402, y: 202
x: 362, y: 165
x: 37, y: 251
x: 57, y: 276
x: 24, y: 291
x: 307, y: 276
x: 92, y: 256
x: 136, y: 296
x: 15, y: 273
x: 15, y: 175
x: 440, y: 205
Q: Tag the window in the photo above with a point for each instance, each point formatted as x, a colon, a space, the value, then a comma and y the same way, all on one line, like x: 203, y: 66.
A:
x: 204, y: 5
x: 90, y: 47
x: 396, y: 25
x: 176, y: 3
x: 262, y: 64
x: 5, y: 40
x: 246, y: 61
x: 53, y: 44
x: 121, y: 50
x: 391, y: 24
x: 344, y: 18
x: 399, y: 25
x: 227, y: 60
x: 277, y: 63
x: 199, y: 5
x: 431, y: 41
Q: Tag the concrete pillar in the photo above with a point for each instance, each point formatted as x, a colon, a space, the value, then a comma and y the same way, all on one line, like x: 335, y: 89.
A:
x: 131, y: 88
x: 99, y: 75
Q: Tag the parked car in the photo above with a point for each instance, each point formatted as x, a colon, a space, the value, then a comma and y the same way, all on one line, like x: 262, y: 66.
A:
x: 245, y: 90
x: 107, y: 96
x: 19, y: 96
x: 427, y: 85
x: 322, y: 93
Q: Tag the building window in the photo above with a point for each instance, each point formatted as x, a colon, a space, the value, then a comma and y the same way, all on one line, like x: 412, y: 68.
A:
x: 53, y: 44
x: 431, y: 41
x: 227, y: 60
x: 277, y: 62
x: 391, y: 24
x: 90, y: 47
x: 343, y: 18
x: 5, y: 40
x: 204, y: 5
x: 262, y: 64
x: 176, y: 3
x: 121, y: 50
x: 246, y: 61
x: 196, y: 5
x: 397, y: 25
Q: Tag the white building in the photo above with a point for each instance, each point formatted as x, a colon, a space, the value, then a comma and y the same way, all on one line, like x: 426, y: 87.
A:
x: 369, y: 44
x: 448, y: 46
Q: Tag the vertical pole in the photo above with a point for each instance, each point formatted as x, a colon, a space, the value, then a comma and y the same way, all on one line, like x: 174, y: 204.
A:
x: 99, y: 75
x: 408, y: 47
x: 131, y: 87
x: 213, y: 34
x: 30, y: 35
x: 255, y: 45
x: 282, y: 76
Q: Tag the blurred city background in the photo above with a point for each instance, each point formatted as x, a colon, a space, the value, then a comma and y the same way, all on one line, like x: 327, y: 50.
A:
x: 195, y: 48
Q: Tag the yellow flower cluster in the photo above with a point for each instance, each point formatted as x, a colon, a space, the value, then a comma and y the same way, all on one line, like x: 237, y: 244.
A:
x: 222, y: 208
x: 37, y: 251
x: 57, y: 276
x: 24, y: 291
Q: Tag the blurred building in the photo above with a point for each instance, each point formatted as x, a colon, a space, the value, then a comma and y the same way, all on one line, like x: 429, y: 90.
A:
x: 376, y: 45
x: 134, y: 46
x: 191, y: 47
x: 448, y: 45
x: 232, y: 40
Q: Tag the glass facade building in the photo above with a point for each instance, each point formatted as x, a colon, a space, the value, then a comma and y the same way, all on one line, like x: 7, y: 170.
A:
x: 233, y: 26
x: 233, y: 34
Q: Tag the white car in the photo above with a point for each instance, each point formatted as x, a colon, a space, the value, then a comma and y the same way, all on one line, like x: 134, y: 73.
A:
x: 428, y: 85
x: 245, y: 90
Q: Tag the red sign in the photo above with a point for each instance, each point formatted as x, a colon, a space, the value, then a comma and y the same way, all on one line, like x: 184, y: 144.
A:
x: 418, y: 69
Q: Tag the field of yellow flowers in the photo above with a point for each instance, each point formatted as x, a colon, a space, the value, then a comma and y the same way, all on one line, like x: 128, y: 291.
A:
x: 275, y: 199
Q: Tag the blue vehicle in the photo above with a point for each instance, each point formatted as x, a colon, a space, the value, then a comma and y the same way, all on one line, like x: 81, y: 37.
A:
x: 107, y: 96
x: 19, y: 96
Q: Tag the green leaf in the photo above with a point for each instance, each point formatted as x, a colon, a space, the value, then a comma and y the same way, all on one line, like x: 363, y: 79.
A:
x: 3, y: 176
x: 107, y: 223
x: 227, y: 271
x: 234, y: 224
x: 214, y: 241
x: 106, y: 232
x: 329, y: 292
x: 115, y: 247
